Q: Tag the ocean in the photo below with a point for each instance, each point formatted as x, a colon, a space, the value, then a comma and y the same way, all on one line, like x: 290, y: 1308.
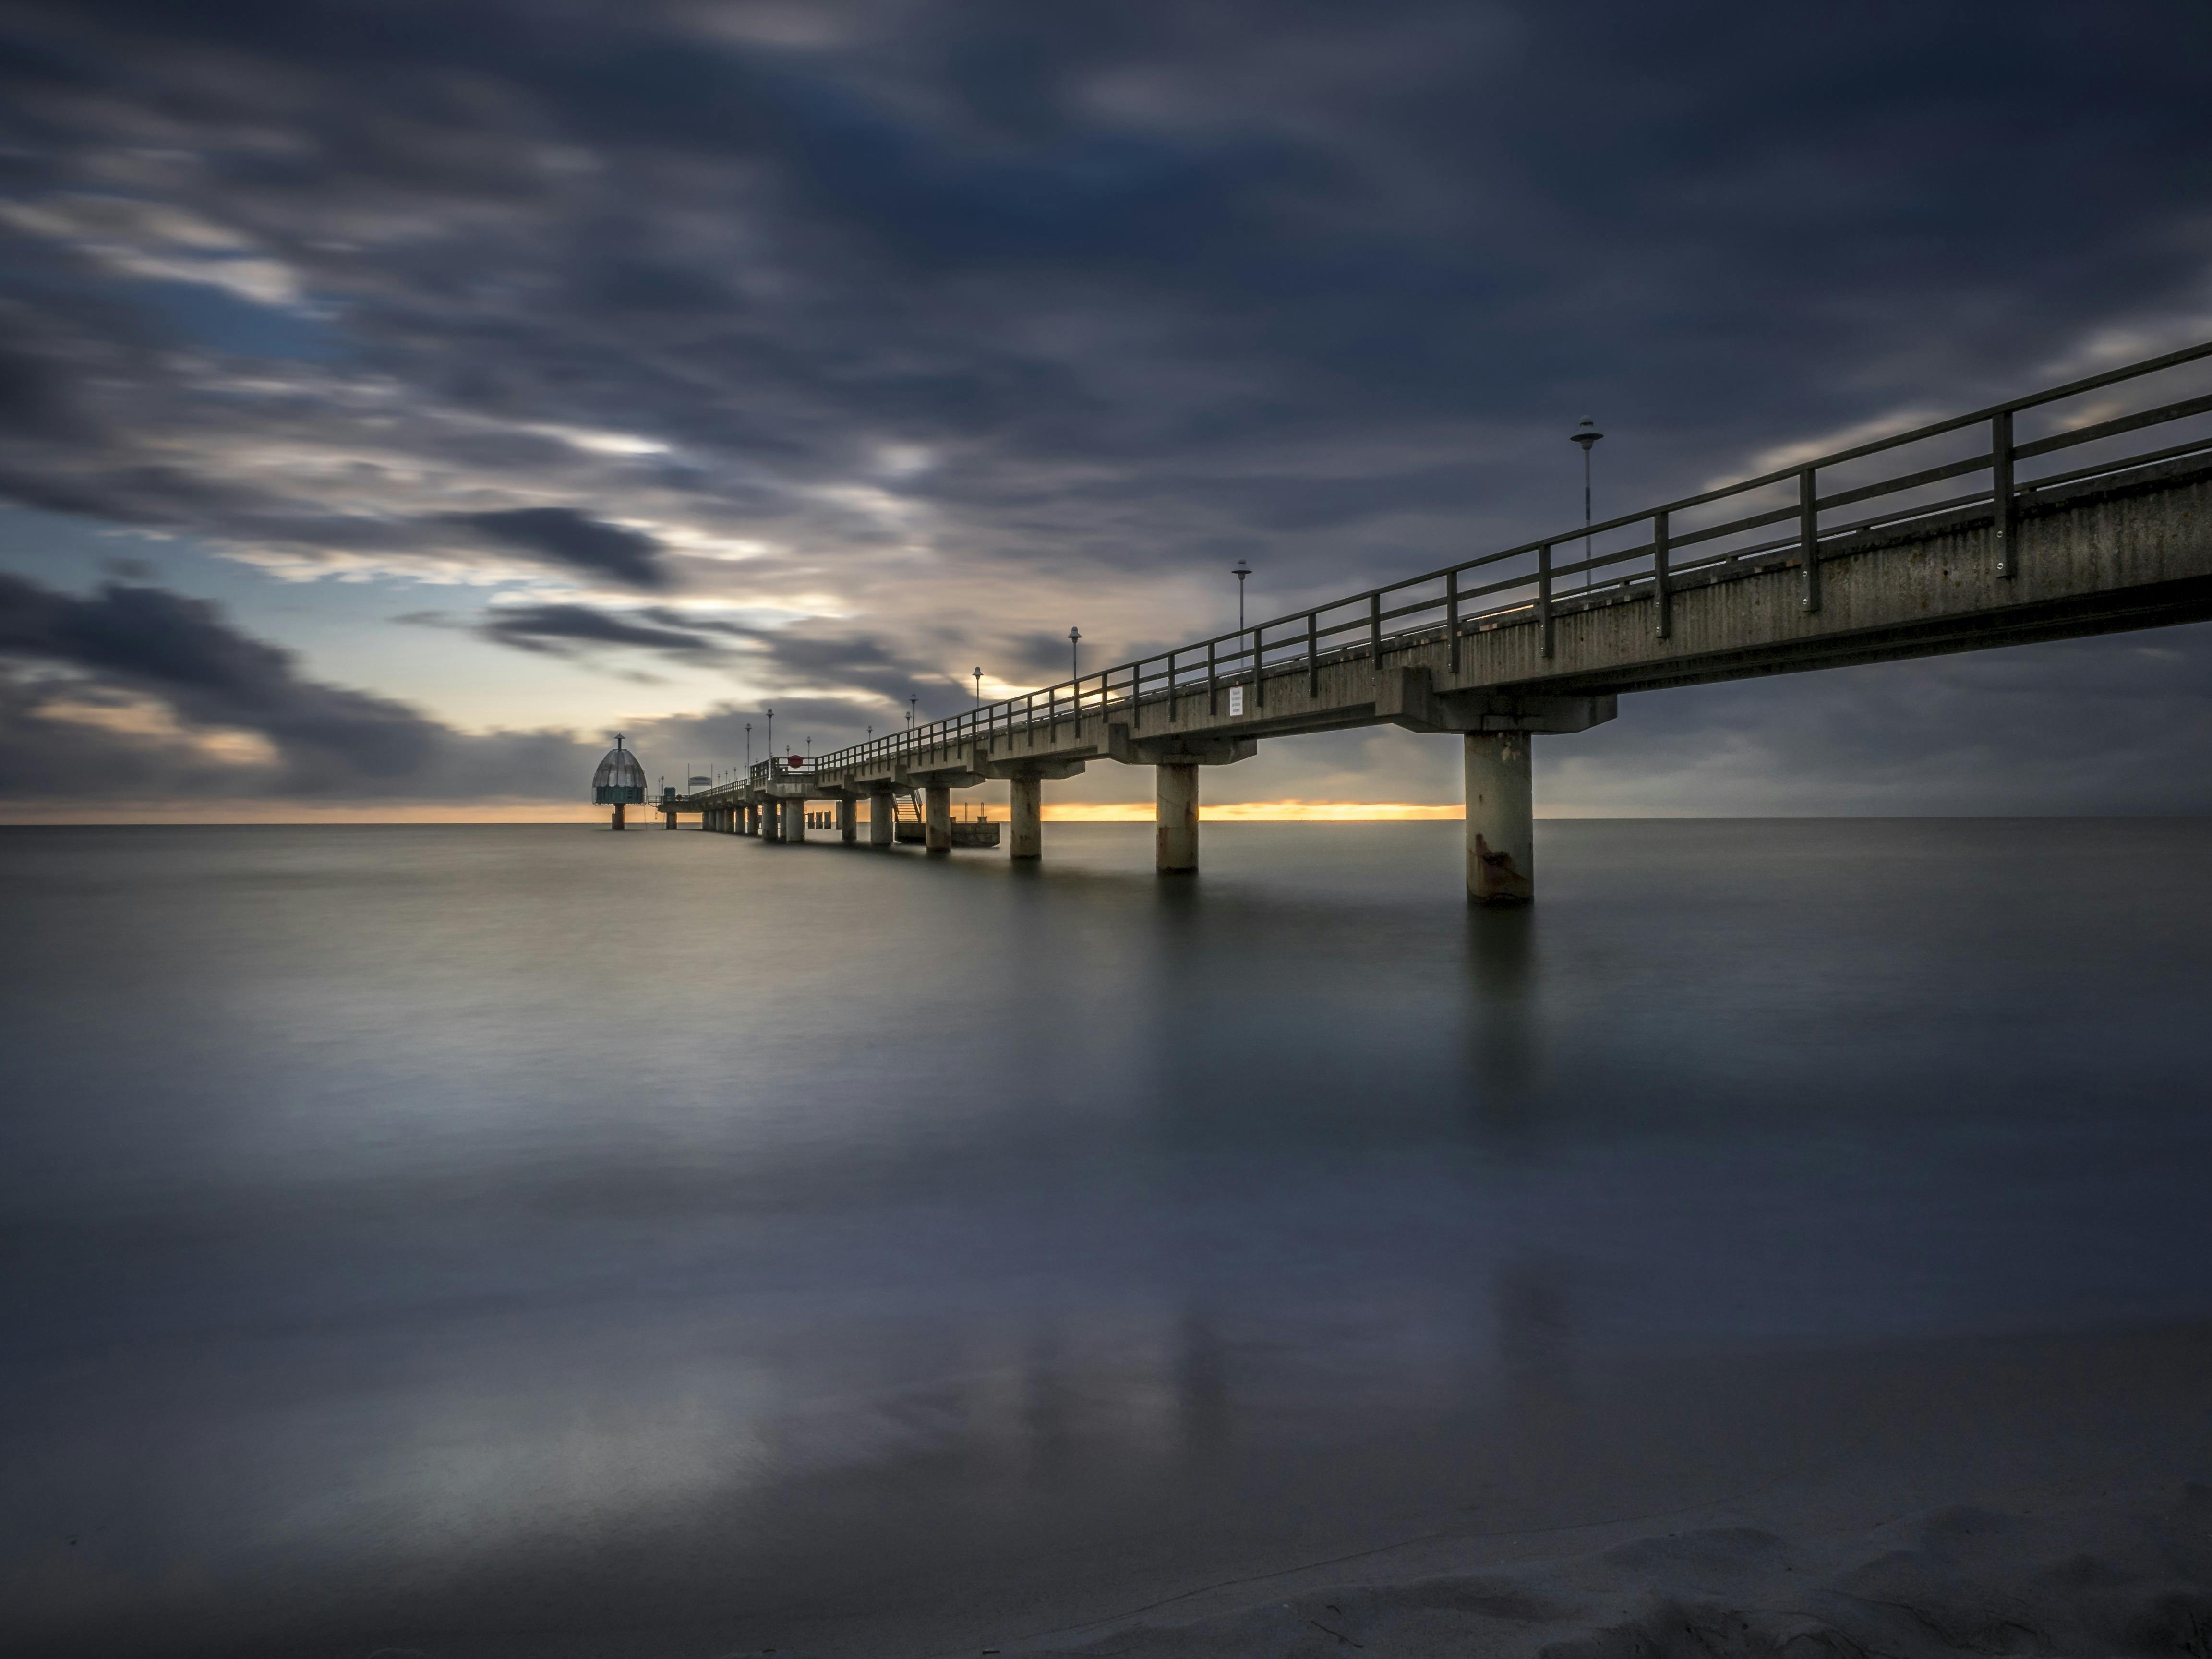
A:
x: 531, y: 1239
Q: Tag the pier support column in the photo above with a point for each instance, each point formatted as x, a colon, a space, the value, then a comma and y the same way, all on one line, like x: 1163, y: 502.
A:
x: 849, y: 820
x: 1026, y: 801
x: 618, y: 816
x: 794, y: 820
x: 772, y: 820
x: 1501, y: 819
x: 1177, y: 845
x: 937, y: 818
x: 882, y: 819
x: 753, y: 819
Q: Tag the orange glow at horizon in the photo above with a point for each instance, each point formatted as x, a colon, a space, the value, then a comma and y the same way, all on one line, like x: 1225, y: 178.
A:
x: 541, y: 811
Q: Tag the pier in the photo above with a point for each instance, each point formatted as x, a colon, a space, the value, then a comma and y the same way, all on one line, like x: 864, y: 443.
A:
x: 2047, y: 517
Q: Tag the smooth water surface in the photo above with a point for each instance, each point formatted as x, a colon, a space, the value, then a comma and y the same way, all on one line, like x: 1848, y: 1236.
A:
x: 484, y: 1230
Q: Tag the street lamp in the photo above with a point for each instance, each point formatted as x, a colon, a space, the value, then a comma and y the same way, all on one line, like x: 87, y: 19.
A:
x: 771, y: 742
x: 979, y: 687
x: 1587, y: 435
x: 1240, y: 570
x: 1074, y: 657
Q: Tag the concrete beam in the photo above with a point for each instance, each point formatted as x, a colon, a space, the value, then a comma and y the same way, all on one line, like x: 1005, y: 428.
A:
x: 1176, y: 850
x: 1407, y: 697
x: 1177, y: 750
x: 1501, y: 822
x: 1055, y: 769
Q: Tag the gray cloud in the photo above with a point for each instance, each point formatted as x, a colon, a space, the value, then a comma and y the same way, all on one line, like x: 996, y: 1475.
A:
x: 940, y: 330
x: 566, y: 538
x: 131, y: 690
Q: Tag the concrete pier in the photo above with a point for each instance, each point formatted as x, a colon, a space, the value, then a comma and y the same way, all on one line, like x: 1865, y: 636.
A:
x: 937, y: 819
x: 1501, y: 822
x: 1177, y: 840
x: 848, y: 819
x: 618, y: 816
x: 883, y: 819
x: 1025, y: 797
x: 794, y: 821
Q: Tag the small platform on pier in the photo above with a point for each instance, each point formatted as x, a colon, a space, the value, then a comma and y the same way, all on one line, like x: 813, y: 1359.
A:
x: 965, y: 833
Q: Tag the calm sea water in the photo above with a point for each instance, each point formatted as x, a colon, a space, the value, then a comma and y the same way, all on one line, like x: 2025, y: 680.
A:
x: 446, y: 1237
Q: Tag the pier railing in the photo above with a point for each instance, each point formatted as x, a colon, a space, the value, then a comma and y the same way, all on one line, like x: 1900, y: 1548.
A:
x: 1777, y: 520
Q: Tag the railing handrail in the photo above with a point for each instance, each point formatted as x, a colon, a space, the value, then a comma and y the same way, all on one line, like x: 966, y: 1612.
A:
x: 1245, y: 659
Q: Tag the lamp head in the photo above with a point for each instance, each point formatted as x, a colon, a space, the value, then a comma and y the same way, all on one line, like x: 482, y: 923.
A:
x: 1586, y: 434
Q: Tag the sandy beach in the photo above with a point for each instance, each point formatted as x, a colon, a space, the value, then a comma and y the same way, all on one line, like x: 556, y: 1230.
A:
x: 2042, y: 1495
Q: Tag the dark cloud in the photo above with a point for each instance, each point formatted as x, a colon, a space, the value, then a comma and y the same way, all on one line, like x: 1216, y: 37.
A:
x: 560, y: 627
x: 568, y: 538
x: 938, y: 329
x: 144, y: 675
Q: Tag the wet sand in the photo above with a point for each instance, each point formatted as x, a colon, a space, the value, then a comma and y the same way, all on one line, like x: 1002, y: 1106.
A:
x: 2029, y: 1494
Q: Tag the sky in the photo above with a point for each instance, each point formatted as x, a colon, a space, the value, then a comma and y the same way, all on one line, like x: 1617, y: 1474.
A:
x: 398, y: 399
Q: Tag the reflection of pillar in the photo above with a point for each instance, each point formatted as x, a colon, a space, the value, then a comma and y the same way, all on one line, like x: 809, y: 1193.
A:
x: 883, y: 819
x: 1178, y: 819
x: 1501, y: 824
x: 937, y: 815
x: 849, y: 820
x: 618, y: 816
x: 1027, y: 803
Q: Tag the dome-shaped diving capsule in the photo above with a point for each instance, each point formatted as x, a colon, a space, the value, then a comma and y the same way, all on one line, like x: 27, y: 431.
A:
x: 619, y: 781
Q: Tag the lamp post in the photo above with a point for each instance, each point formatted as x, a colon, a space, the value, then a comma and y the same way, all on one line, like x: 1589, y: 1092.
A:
x: 979, y: 686
x: 748, y: 750
x: 1074, y: 653
x: 771, y: 742
x: 1587, y: 435
x: 1240, y: 570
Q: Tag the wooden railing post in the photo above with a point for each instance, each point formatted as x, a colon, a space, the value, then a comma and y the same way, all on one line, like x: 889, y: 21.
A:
x: 1313, y: 654
x: 1808, y: 536
x: 2003, y: 527
x: 1451, y: 615
x: 1663, y: 594
x: 1544, y: 598
x: 1212, y: 680
x: 1259, y: 680
x: 1375, y: 629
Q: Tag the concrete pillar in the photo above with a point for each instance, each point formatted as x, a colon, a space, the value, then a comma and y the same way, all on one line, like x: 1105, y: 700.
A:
x: 936, y: 816
x: 882, y: 819
x: 1501, y: 819
x: 618, y: 815
x: 849, y: 820
x: 1026, y: 804
x: 1178, y: 820
x: 794, y: 820
x: 772, y: 820
x: 749, y: 819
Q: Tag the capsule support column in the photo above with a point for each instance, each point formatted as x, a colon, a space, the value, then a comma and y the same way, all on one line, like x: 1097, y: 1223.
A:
x: 1025, y: 802
x: 883, y: 819
x: 1501, y: 818
x: 937, y: 818
x: 1176, y: 843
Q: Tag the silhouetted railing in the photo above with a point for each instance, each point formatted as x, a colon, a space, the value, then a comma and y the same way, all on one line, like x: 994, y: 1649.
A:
x: 1493, y: 591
